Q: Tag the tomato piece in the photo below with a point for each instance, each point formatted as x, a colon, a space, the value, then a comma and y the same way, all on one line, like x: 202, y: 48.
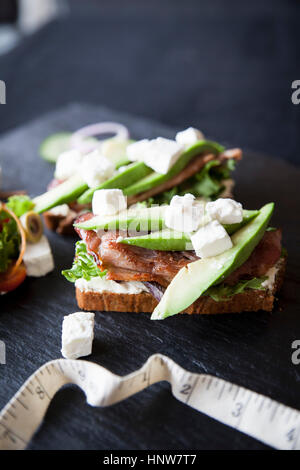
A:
x: 11, y: 281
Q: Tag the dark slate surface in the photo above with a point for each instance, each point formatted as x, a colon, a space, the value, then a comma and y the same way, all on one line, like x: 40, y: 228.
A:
x: 253, y: 350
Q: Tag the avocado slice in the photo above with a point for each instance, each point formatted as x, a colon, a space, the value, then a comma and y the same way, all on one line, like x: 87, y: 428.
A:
x: 194, y: 279
x: 164, y: 240
x: 75, y: 188
x: 171, y: 240
x: 53, y: 145
x: 134, y: 220
x: 64, y: 193
x: 135, y: 171
x: 155, y: 179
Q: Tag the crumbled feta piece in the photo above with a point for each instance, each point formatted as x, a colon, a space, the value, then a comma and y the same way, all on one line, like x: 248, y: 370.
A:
x: 211, y: 240
x: 95, y: 169
x: 114, y: 148
x: 184, y: 213
x: 38, y: 258
x: 109, y: 201
x: 186, y: 200
x: 119, y: 239
x: 62, y: 210
x: 226, y: 211
x: 135, y: 151
x: 77, y: 334
x: 68, y: 163
x: 122, y: 168
x: 159, y: 154
x: 189, y: 136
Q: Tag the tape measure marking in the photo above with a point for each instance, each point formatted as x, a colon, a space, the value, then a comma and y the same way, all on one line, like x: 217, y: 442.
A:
x: 249, y: 412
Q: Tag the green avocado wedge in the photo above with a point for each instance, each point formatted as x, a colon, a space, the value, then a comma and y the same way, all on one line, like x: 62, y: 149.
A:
x: 164, y: 240
x: 194, y: 279
x: 64, y: 193
x: 171, y: 240
x: 133, y: 172
x: 54, y: 145
x: 134, y: 220
x: 155, y: 179
x: 71, y: 189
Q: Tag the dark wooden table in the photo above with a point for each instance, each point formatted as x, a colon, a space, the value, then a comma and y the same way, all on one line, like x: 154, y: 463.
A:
x: 251, y: 349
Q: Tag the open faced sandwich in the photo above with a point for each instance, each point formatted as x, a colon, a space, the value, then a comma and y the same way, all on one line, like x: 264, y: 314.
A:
x: 188, y: 256
x: 151, y: 170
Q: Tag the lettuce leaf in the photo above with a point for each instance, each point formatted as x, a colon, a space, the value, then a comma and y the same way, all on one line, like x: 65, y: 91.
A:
x: 9, y: 241
x: 84, y: 265
x: 223, y: 292
x: 19, y: 204
x: 206, y: 183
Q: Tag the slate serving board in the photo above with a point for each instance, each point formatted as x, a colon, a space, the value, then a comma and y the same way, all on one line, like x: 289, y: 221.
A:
x: 251, y: 349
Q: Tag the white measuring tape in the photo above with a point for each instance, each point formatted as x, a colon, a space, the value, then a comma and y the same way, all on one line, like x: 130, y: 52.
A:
x: 253, y: 414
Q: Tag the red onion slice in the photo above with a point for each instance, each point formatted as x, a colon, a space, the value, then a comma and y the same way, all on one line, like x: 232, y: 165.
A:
x: 78, y: 138
x: 155, y: 289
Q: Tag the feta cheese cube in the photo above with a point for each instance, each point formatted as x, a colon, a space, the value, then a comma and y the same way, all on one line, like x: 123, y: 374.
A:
x: 189, y: 136
x: 77, y: 334
x: 95, y: 169
x: 185, y: 201
x: 135, y: 151
x: 109, y: 201
x: 184, y: 214
x: 38, y: 258
x: 63, y: 210
x: 211, y: 240
x: 68, y: 163
x: 159, y: 154
x: 226, y: 211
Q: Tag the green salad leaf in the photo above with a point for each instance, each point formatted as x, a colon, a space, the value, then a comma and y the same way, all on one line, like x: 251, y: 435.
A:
x: 84, y: 265
x: 9, y: 241
x: 20, y: 204
x: 208, y: 183
x: 224, y: 292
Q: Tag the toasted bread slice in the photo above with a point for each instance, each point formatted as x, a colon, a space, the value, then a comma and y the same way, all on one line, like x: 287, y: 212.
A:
x: 248, y: 301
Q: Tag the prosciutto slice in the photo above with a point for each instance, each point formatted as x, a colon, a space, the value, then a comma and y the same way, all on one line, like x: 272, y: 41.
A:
x: 131, y: 263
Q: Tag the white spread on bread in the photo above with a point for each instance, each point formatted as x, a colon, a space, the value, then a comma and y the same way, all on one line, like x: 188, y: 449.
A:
x: 271, y: 275
x: 100, y: 284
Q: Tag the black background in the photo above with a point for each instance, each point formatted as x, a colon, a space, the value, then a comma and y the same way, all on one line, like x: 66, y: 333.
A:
x: 250, y: 349
x: 224, y: 66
